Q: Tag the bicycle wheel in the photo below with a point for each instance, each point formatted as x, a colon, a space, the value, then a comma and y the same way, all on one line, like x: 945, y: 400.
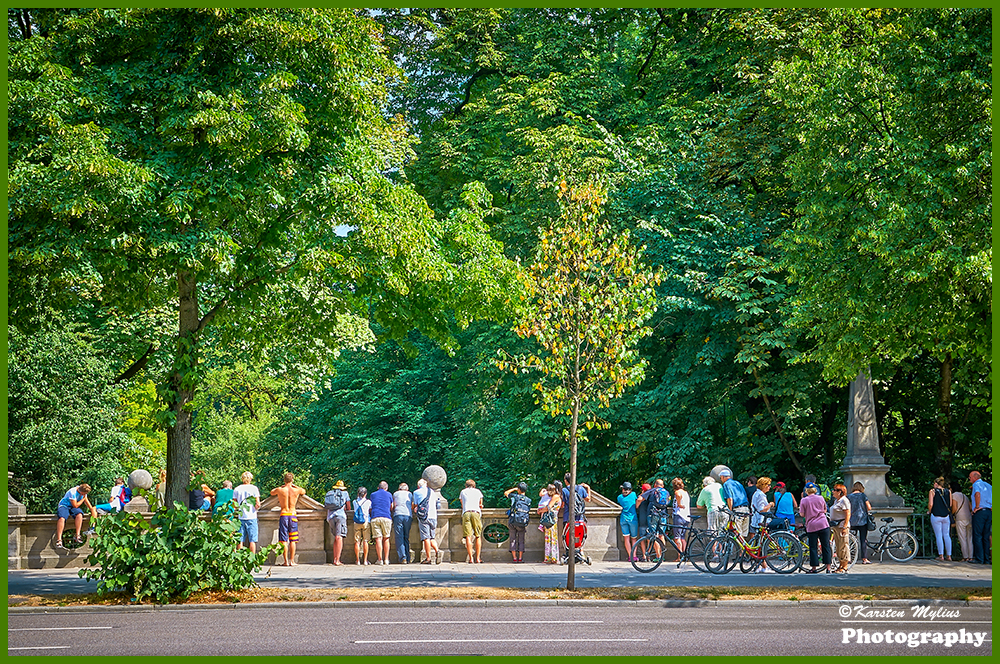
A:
x: 901, y: 545
x: 647, y: 553
x: 749, y: 563
x: 783, y: 552
x: 696, y: 550
x: 721, y: 554
x: 854, y: 546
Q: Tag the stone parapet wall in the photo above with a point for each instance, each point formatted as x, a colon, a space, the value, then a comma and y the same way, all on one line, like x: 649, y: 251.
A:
x: 31, y: 537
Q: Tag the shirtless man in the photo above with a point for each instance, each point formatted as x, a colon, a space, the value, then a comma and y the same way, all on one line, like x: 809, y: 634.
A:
x: 288, y: 524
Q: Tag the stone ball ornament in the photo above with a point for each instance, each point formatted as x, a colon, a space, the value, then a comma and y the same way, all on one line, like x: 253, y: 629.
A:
x: 140, y: 479
x: 435, y: 476
x: 718, y: 469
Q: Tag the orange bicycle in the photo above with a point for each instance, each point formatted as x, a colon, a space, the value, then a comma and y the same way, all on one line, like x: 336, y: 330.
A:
x: 781, y: 550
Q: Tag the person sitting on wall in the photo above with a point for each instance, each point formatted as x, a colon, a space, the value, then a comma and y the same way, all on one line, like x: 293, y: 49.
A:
x: 120, y: 495
x: 71, y: 505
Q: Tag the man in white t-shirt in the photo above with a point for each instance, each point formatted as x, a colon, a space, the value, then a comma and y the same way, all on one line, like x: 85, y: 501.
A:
x: 472, y: 520
x: 247, y: 496
x: 427, y: 526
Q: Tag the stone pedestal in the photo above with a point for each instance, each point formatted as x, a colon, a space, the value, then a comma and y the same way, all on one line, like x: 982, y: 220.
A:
x: 14, y: 508
x: 137, y: 504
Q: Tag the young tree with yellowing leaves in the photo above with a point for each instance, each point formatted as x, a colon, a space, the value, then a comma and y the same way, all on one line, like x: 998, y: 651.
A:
x: 588, y: 298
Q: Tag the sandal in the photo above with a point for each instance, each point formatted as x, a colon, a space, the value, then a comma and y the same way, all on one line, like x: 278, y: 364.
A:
x: 814, y: 570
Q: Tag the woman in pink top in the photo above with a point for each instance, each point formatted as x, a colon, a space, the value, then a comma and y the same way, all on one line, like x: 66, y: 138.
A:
x: 813, y: 511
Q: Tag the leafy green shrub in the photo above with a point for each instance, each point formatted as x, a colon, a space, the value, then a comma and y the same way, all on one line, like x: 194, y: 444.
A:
x: 175, y: 554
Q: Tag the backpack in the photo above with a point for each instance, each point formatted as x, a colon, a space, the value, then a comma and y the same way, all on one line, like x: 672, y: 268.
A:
x: 359, y: 512
x: 659, y: 499
x: 334, y: 500
x: 578, y: 506
x: 824, y: 491
x: 520, y: 510
x: 422, y: 509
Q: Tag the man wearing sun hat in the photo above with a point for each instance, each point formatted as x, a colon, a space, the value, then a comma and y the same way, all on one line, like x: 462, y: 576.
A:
x: 340, y: 501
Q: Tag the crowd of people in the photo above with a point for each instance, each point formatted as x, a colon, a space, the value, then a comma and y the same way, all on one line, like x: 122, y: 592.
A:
x: 385, y: 518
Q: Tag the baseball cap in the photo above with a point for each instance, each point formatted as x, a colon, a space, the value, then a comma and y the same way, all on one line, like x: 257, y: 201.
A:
x: 725, y: 473
x: 779, y: 485
x: 646, y: 487
x: 627, y: 485
x: 810, y: 486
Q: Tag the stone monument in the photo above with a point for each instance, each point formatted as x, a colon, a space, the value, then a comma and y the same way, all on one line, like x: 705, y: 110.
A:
x: 138, y: 479
x: 863, y: 461
x: 436, y: 478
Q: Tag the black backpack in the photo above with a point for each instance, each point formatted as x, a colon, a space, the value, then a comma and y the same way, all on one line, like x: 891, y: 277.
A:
x: 520, y: 510
x: 422, y: 509
x: 578, y: 507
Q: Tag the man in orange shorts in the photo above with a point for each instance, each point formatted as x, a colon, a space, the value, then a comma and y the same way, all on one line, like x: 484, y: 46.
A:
x: 288, y: 524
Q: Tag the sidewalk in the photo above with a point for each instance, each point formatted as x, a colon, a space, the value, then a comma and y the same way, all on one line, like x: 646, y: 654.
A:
x: 506, y: 575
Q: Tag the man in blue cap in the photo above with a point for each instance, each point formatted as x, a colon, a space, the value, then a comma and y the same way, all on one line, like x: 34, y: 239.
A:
x: 736, y: 498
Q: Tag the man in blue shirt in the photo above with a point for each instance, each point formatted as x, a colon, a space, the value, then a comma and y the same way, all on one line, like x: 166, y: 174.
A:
x: 982, y: 518
x: 736, y: 497
x: 382, y: 521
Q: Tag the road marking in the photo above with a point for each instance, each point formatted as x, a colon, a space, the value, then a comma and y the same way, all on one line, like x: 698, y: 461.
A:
x: 506, y: 641
x: 39, y: 648
x: 44, y: 629
x: 488, y: 622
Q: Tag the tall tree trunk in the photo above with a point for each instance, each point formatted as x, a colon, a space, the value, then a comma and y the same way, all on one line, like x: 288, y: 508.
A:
x: 182, y: 390
x: 943, y: 453
x: 570, y: 552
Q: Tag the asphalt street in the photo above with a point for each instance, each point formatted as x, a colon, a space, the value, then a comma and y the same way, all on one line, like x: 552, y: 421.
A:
x: 504, y: 575
x: 516, y: 629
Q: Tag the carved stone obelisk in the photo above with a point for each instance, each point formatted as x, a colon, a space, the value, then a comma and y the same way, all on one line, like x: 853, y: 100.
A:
x: 863, y: 461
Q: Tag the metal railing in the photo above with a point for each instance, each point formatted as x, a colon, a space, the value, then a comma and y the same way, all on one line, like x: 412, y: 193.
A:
x: 921, y: 527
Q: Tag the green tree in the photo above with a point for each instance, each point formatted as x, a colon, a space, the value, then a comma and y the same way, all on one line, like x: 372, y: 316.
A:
x: 890, y: 247
x: 63, y: 424
x: 236, y: 165
x: 588, y: 298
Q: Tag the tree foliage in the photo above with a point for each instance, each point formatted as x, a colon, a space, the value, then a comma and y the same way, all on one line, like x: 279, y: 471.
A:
x: 588, y: 299
x: 238, y: 166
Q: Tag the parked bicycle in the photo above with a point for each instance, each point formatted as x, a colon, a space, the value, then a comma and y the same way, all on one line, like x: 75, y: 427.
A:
x: 853, y: 543
x: 897, y: 541
x: 779, y: 550
x: 651, y: 548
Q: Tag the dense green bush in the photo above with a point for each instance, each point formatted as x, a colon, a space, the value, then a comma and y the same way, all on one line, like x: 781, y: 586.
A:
x: 174, y: 555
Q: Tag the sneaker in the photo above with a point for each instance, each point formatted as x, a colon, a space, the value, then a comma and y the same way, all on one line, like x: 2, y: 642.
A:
x: 89, y: 532
x: 440, y: 556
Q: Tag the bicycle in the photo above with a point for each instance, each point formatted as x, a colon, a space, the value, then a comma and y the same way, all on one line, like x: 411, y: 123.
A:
x: 897, y: 541
x: 779, y: 550
x: 853, y: 544
x: 649, y: 550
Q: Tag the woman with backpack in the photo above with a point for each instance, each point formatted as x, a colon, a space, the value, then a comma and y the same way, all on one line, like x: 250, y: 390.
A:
x: 362, y: 526
x: 518, y: 516
x: 939, y: 507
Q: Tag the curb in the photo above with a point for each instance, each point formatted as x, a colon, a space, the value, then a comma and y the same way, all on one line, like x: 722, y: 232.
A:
x: 498, y: 603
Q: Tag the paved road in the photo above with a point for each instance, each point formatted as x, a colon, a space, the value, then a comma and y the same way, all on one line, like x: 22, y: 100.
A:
x: 612, y: 575
x: 517, y: 629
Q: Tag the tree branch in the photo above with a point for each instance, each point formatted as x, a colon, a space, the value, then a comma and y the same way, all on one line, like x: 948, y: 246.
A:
x: 136, y: 366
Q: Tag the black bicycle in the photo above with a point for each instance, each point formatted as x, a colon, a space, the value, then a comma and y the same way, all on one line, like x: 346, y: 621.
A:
x: 650, y: 549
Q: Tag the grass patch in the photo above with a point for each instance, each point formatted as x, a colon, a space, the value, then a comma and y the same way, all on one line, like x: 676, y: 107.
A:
x: 647, y: 593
